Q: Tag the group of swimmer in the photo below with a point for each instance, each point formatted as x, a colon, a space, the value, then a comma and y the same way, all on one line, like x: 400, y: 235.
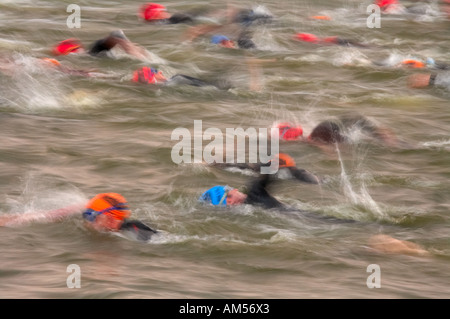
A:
x: 110, y: 212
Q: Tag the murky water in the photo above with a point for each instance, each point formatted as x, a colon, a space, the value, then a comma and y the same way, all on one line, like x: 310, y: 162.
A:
x: 66, y: 138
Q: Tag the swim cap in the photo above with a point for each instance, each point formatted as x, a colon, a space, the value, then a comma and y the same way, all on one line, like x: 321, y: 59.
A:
x: 153, y: 11
x: 218, y: 38
x: 284, y: 160
x: 112, y: 204
x: 307, y: 37
x: 67, y: 46
x: 430, y: 61
x: 52, y: 61
x: 289, y: 132
x: 321, y: 17
x: 145, y: 75
x: 388, y: 6
x: 414, y: 63
x: 216, y: 195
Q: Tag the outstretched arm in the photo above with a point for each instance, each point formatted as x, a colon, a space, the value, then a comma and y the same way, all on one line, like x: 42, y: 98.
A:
x: 50, y: 216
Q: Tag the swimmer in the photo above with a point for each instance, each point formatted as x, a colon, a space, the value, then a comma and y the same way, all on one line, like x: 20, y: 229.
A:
x: 223, y: 41
x: 424, y: 80
x: 226, y: 196
x: 148, y: 75
x: 311, y: 38
x: 332, y: 131
x: 110, y: 212
x: 102, y: 47
x: 243, y: 41
x: 257, y: 195
x: 287, y: 169
x: 106, y: 212
x: 415, y: 63
x: 10, y: 66
x: 157, y: 13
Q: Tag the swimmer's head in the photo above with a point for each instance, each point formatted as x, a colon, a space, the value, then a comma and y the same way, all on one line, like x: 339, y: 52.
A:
x: 154, y: 12
x: 430, y: 62
x: 110, y: 204
x: 148, y: 75
x: 67, y: 47
x: 307, y: 37
x: 388, y: 6
x: 222, y: 40
x: 415, y: 64
x: 284, y: 160
x: 223, y: 196
x: 289, y: 132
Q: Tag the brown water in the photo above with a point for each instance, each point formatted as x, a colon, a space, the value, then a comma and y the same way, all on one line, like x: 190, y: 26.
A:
x: 65, y: 139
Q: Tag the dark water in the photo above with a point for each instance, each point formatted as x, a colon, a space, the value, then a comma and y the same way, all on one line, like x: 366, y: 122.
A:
x: 66, y: 138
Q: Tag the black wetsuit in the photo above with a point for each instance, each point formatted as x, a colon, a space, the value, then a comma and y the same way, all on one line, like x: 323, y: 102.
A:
x: 138, y: 229
x: 181, y: 79
x: 102, y: 47
x: 258, y: 195
x: 299, y: 174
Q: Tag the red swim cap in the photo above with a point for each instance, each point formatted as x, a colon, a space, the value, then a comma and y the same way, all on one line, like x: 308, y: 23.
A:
x: 383, y: 4
x: 289, y: 132
x: 307, y: 37
x: 67, y: 46
x: 153, y: 11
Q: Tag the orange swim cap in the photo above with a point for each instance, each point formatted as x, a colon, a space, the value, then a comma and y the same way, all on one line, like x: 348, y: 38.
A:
x: 414, y: 64
x: 67, y: 46
x: 112, y: 204
x: 285, y: 160
x: 321, y: 17
x: 53, y: 61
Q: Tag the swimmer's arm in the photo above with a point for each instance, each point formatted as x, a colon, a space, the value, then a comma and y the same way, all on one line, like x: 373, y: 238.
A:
x: 49, y: 216
x: 421, y: 80
x: 304, y: 176
x: 258, y: 193
x: 132, y: 49
x: 196, y: 31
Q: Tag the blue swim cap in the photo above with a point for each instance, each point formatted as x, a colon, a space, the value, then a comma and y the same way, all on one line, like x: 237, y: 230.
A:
x: 216, y: 195
x: 216, y: 39
x: 430, y: 61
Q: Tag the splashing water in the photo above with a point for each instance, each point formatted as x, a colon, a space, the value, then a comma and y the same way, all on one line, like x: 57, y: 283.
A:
x: 362, y: 198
